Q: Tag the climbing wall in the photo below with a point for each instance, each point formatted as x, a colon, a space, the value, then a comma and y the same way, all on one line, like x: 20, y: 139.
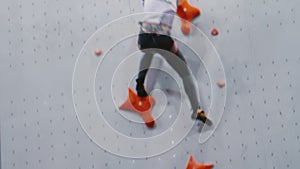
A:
x: 59, y: 101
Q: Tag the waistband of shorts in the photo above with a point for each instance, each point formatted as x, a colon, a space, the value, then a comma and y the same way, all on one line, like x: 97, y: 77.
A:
x: 155, y: 28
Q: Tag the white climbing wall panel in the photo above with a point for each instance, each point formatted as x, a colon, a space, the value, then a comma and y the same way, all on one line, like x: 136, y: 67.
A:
x: 41, y: 124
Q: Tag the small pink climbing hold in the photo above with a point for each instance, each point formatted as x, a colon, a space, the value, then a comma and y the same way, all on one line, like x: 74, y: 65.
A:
x: 221, y: 83
x: 98, y: 52
x: 214, y: 32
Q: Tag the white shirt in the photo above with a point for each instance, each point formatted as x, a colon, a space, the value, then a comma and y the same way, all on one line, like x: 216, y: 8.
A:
x: 160, y: 11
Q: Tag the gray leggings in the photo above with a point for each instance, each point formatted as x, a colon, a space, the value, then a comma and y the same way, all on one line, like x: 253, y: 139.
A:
x: 164, y: 45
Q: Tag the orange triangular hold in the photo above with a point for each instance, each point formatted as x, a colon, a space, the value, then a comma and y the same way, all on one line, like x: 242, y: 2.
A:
x: 193, y: 164
x: 187, y: 13
x: 141, y: 106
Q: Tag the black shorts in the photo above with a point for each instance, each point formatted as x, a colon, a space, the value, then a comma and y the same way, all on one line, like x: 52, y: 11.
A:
x: 152, y: 40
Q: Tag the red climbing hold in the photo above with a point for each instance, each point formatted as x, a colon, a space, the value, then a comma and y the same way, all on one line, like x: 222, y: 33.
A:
x: 193, y: 164
x: 214, y: 32
x: 141, y: 106
x: 187, y: 13
x: 98, y: 52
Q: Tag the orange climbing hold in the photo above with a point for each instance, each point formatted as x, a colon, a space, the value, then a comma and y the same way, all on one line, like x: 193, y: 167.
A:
x: 141, y: 106
x: 193, y: 164
x: 187, y: 13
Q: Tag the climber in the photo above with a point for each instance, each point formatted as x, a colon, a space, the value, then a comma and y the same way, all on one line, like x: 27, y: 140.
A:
x: 154, y: 37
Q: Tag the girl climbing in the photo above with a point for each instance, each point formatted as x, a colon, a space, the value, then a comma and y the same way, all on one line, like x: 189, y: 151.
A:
x: 155, y: 37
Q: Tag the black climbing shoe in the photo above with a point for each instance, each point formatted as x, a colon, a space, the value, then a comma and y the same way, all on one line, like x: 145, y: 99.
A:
x: 200, y: 115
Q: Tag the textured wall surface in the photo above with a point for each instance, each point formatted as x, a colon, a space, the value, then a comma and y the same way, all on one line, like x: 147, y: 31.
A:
x: 41, y: 41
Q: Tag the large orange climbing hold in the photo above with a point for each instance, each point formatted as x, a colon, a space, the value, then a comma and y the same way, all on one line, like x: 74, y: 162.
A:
x: 187, y: 13
x: 141, y: 106
x: 193, y: 164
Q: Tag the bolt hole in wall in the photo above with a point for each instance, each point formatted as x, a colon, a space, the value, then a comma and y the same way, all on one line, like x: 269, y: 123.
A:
x: 41, y: 127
